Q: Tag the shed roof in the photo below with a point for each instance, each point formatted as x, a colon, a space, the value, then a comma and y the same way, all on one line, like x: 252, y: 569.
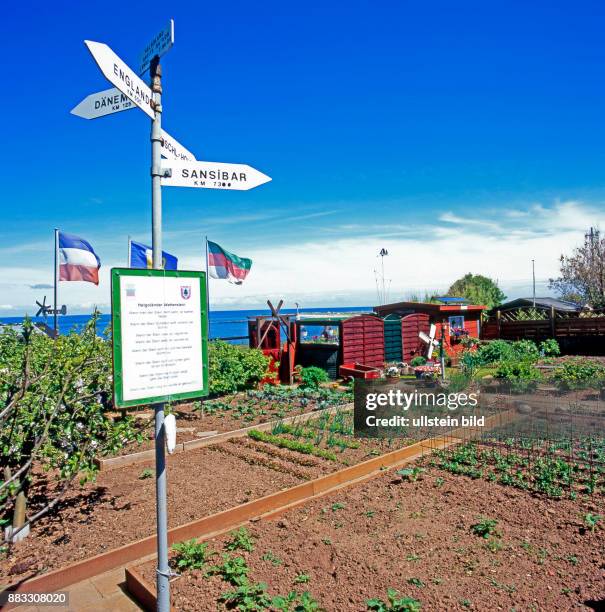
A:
x: 540, y: 302
x: 411, y: 307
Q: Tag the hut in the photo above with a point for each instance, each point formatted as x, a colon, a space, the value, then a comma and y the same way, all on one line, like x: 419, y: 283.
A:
x: 453, y: 319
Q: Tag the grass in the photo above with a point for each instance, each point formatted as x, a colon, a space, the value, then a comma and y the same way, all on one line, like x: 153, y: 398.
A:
x: 294, y: 445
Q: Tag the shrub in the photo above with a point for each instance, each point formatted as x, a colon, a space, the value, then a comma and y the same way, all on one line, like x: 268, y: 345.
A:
x: 522, y: 376
x: 419, y: 360
x: 233, y: 367
x: 580, y: 373
x: 497, y: 351
x: 550, y: 348
x: 312, y: 377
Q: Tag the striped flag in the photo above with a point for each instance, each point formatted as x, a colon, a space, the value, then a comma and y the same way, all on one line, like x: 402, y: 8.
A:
x: 77, y: 259
x: 225, y: 265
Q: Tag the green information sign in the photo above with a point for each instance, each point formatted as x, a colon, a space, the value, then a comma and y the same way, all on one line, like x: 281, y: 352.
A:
x: 160, y: 335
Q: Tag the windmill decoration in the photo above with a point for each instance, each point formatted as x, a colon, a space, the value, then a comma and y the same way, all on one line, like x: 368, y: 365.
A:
x: 430, y: 340
x: 46, y: 309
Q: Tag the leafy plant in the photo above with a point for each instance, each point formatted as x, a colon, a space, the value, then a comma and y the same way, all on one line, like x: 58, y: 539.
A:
x: 302, y: 578
x: 146, y: 473
x: 592, y: 520
x: 191, y: 554
x: 549, y: 348
x: 416, y: 582
x: 312, y: 377
x: 232, y: 367
x: 485, y: 527
x: 233, y: 569
x: 580, y: 373
x: 521, y: 376
x: 410, y: 474
x: 240, y: 540
x: 394, y: 603
x: 295, y: 445
x: 247, y: 597
x: 419, y: 360
x: 269, y: 556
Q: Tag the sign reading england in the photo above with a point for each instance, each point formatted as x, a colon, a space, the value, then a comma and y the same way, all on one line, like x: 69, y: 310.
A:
x: 160, y: 350
x: 122, y: 76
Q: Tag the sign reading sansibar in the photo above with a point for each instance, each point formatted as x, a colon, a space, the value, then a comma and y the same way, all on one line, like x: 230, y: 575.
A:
x: 213, y: 175
x: 121, y: 75
x: 160, y: 341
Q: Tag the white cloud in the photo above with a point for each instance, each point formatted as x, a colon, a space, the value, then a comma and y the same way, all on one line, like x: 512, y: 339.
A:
x: 335, y: 264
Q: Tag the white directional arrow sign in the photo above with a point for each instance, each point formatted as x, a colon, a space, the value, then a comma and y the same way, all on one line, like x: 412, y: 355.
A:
x: 173, y: 149
x: 103, y: 103
x: 158, y: 45
x: 213, y: 175
x: 123, y: 77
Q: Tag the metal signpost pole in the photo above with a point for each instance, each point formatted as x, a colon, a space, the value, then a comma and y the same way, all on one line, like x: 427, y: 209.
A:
x: 163, y: 570
x: 56, y: 285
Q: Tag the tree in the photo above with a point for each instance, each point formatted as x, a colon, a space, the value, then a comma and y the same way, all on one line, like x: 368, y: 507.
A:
x: 582, y: 277
x: 55, y: 416
x: 477, y: 289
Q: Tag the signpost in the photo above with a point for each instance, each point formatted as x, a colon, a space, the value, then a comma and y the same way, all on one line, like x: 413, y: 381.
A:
x: 145, y: 302
x: 160, y: 343
x: 123, y: 77
x: 159, y: 44
x: 212, y: 175
x: 173, y: 149
x: 102, y: 103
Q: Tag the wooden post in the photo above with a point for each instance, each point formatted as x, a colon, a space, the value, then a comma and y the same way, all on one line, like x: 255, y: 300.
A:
x: 19, y: 512
x: 498, y: 321
x: 552, y: 322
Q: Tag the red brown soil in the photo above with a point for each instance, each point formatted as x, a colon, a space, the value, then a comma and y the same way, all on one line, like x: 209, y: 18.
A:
x: 119, y: 507
x: 389, y: 532
x: 191, y: 421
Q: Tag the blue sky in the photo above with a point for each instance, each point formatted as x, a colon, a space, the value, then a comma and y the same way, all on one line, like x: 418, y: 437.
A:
x: 464, y: 137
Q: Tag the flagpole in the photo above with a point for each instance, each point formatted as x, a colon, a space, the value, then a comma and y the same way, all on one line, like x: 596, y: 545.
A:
x: 56, y: 284
x: 129, y: 253
x: 207, y: 293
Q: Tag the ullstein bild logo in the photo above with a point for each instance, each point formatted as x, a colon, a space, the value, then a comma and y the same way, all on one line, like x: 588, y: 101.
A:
x: 384, y: 410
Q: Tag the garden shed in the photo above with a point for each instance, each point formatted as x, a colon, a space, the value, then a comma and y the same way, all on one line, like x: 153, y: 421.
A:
x: 456, y: 320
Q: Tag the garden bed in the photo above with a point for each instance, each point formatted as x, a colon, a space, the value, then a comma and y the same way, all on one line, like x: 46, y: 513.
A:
x: 235, y: 411
x: 433, y: 540
x: 120, y: 506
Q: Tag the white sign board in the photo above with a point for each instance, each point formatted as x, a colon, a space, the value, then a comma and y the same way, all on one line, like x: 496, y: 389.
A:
x: 103, y: 103
x: 173, y: 149
x: 158, y: 45
x: 120, y: 75
x: 213, y: 175
x: 160, y: 344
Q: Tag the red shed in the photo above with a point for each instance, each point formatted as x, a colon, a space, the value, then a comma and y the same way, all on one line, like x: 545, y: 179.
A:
x: 457, y: 321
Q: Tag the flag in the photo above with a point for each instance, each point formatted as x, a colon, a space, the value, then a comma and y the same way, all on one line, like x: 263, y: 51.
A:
x: 77, y: 259
x: 141, y: 256
x: 222, y: 264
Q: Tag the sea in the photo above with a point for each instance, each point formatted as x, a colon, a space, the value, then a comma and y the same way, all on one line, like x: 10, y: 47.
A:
x: 228, y: 324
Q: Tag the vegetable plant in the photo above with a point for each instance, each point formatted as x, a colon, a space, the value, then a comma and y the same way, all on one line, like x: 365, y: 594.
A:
x: 394, y: 603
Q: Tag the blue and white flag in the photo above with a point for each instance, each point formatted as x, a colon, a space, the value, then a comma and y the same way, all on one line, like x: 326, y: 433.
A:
x: 141, y: 256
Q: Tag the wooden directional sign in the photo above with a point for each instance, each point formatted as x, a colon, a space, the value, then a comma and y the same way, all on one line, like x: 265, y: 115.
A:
x: 103, y: 103
x: 158, y: 45
x: 123, y: 77
x: 173, y: 149
x: 213, y: 175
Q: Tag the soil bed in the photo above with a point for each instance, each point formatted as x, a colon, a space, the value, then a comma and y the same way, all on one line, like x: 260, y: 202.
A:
x: 119, y: 507
x: 417, y: 537
x: 236, y: 411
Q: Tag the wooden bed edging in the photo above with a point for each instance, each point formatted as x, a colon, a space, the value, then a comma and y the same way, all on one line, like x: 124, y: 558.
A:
x: 225, y: 520
x: 276, y: 504
x: 231, y: 518
x: 149, y: 455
